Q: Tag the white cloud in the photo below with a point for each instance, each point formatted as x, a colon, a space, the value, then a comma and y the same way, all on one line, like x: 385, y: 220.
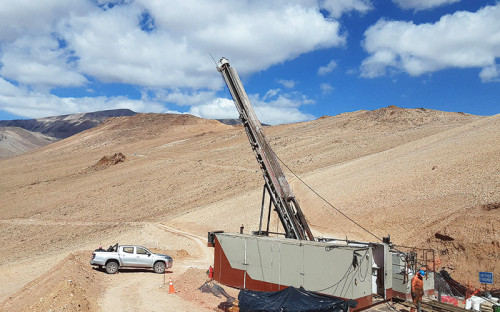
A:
x: 112, y: 47
x: 326, y: 88
x: 423, y: 4
x: 275, y: 115
x: 51, y: 44
x: 287, y: 83
x: 37, y: 61
x: 460, y: 40
x: 323, y: 70
x: 271, y: 93
x: 183, y: 98
x: 275, y: 107
x: 34, y: 104
x: 26, y: 17
x: 490, y: 73
x: 281, y: 107
x: 338, y: 7
x: 219, y: 108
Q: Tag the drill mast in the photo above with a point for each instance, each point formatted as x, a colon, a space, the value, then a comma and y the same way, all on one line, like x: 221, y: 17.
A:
x: 282, y: 197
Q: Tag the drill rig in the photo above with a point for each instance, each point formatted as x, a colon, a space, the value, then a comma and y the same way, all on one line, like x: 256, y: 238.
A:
x: 340, y: 268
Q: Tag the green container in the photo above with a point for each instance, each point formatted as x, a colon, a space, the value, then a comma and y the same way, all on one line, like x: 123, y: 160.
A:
x: 496, y: 308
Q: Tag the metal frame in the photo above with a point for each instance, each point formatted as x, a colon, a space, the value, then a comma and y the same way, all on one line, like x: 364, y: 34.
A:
x: 281, y: 195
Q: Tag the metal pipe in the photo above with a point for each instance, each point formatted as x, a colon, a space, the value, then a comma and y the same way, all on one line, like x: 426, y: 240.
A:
x: 262, y: 209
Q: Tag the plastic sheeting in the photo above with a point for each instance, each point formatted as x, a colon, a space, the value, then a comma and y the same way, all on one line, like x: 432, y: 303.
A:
x: 291, y: 299
x: 216, y: 290
x: 446, y: 285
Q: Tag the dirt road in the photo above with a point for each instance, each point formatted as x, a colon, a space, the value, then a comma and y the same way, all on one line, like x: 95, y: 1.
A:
x: 143, y: 291
x: 91, y: 289
x: 131, y: 290
x: 205, y: 258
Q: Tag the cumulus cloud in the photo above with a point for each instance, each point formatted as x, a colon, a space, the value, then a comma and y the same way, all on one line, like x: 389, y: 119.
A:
x: 219, y: 108
x: 323, y: 70
x: 337, y: 8
x: 271, y: 93
x: 490, y: 73
x: 287, y: 83
x: 326, y: 88
x: 112, y: 46
x: 34, y: 104
x: 39, y: 62
x: 151, y: 45
x: 460, y: 40
x: 274, y: 115
x: 280, y: 107
x: 275, y: 107
x: 183, y: 98
x: 423, y: 4
x: 26, y: 17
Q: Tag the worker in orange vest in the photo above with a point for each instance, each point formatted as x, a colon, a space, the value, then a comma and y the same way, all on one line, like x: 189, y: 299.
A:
x: 417, y: 289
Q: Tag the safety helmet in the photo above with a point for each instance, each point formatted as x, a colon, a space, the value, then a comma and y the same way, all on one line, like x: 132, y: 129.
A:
x: 422, y: 272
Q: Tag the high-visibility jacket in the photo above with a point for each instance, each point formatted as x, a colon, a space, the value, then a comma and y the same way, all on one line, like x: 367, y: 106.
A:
x: 417, y: 286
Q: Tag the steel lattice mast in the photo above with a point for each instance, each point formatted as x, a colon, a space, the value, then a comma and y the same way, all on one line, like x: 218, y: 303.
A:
x: 282, y: 197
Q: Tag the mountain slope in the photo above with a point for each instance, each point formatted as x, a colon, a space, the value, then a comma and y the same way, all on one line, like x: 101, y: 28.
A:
x: 408, y: 173
x: 64, y: 126
x: 15, y: 141
x: 50, y: 129
x: 437, y: 184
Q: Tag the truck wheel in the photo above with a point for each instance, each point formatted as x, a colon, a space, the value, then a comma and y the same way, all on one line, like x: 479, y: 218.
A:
x: 159, y: 267
x: 111, y: 267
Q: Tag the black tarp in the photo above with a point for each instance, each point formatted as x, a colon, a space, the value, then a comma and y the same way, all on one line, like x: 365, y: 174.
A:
x: 444, y: 283
x: 291, y: 299
x: 447, y: 286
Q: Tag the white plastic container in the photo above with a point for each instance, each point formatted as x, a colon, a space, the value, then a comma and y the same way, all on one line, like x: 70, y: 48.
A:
x: 476, y: 303
x: 468, y: 304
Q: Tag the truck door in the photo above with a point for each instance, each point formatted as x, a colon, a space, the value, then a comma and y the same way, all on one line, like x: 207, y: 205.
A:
x: 143, y: 257
x: 127, y: 255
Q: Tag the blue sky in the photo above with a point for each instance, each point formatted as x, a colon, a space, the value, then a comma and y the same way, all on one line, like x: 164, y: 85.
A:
x: 298, y: 60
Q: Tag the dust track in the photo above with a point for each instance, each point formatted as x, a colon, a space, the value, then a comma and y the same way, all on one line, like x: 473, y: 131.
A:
x: 205, y: 258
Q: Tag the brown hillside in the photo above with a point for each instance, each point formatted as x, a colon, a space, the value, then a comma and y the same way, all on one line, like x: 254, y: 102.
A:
x: 15, y: 141
x: 410, y: 173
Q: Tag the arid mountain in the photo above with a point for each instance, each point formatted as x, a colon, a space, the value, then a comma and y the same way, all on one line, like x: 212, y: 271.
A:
x: 417, y: 174
x: 15, y: 141
x: 231, y: 122
x: 42, y: 131
x: 51, y: 129
x: 64, y: 126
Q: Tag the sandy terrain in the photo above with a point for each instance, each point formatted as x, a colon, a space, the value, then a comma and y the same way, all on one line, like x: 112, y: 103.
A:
x: 408, y: 173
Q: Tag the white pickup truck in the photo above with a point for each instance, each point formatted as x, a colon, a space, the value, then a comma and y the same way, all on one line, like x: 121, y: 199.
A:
x: 129, y: 256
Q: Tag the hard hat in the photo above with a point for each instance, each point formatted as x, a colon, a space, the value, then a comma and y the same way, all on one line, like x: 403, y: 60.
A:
x: 422, y: 272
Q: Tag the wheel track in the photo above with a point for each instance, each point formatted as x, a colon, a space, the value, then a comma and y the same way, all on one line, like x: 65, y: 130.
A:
x: 205, y: 257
